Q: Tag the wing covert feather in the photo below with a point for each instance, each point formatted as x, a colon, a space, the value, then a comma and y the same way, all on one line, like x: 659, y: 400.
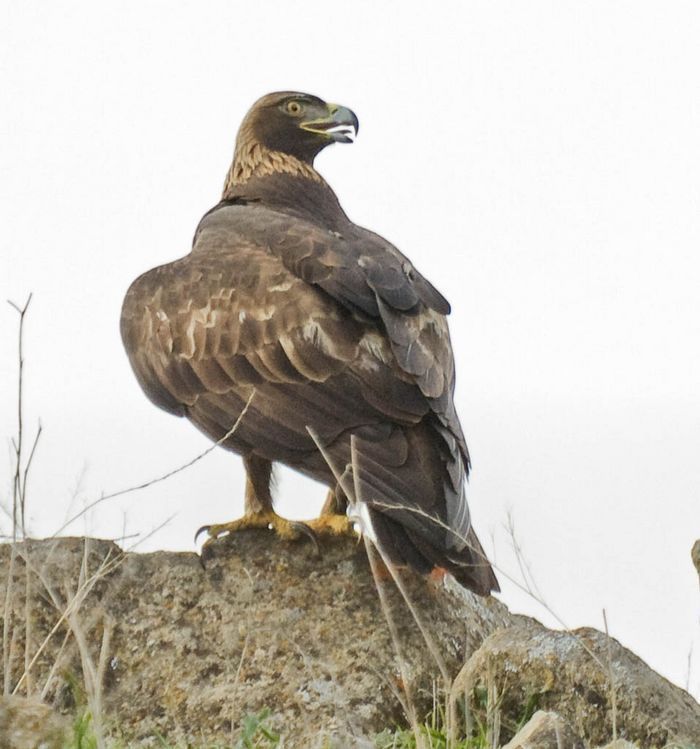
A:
x: 268, y: 297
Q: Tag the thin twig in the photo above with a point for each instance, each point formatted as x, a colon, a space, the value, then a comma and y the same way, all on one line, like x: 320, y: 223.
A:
x: 408, y: 705
x: 493, y: 712
x: 611, y: 676
x: 85, y: 585
x: 7, y: 631
x: 689, y: 668
x: 524, y: 566
x: 157, y: 480
x: 54, y: 666
x: 27, y: 623
x: 25, y: 473
x: 525, y: 588
x: 372, y: 549
x: 19, y: 483
x: 18, y: 498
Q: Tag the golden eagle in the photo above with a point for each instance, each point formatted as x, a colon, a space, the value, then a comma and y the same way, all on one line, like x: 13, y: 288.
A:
x: 332, y: 328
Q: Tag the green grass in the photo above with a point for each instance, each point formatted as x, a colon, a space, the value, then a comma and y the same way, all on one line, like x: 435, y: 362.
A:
x: 83, y: 736
x: 254, y: 734
x: 435, y: 738
x: 434, y: 733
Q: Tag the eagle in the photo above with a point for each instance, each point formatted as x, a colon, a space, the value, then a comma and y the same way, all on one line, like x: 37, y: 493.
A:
x: 323, y: 344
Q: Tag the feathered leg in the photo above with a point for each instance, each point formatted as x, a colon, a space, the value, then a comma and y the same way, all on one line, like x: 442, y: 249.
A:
x: 258, y: 506
x: 259, y: 512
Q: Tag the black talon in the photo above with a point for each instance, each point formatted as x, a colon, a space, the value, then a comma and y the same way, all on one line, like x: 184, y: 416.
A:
x: 206, y: 554
x: 200, y: 531
x: 310, y: 534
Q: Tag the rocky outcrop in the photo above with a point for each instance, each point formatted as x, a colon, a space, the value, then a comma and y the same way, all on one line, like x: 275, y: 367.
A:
x: 588, y: 679
x: 193, y: 651
x: 545, y: 730
x: 160, y: 646
x: 29, y: 723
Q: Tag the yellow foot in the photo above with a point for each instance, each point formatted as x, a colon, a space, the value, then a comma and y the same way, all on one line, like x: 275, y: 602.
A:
x: 332, y: 525
x: 283, y: 528
x: 289, y: 530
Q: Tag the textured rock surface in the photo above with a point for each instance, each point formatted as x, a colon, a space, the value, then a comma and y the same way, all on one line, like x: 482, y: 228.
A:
x: 557, y: 669
x: 545, y: 730
x: 28, y: 723
x: 193, y: 651
x: 187, y: 653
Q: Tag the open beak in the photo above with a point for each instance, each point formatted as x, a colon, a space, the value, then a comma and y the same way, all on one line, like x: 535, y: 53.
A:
x: 340, y: 126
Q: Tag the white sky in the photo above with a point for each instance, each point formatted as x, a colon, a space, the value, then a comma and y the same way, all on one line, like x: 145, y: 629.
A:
x: 537, y: 161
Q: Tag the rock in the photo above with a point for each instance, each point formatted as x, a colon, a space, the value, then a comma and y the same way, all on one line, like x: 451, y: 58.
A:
x: 159, y: 646
x: 30, y: 724
x: 695, y: 555
x: 545, y: 730
x: 192, y: 652
x: 620, y: 744
x: 569, y: 673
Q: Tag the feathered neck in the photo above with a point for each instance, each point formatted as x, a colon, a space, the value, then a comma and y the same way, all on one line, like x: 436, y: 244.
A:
x: 252, y: 159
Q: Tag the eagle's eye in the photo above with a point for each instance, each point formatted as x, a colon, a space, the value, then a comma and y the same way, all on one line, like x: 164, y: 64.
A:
x: 294, y: 107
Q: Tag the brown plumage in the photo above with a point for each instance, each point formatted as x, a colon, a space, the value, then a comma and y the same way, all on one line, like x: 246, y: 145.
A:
x: 331, y: 326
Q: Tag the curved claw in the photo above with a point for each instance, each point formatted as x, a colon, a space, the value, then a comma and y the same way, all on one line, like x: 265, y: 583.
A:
x: 284, y: 529
x: 310, y: 534
x: 203, y: 529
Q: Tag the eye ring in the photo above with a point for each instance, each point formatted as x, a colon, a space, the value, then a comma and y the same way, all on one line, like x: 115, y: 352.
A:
x: 294, y: 107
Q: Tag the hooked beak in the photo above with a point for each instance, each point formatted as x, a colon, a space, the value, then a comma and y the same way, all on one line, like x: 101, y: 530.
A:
x: 341, y: 125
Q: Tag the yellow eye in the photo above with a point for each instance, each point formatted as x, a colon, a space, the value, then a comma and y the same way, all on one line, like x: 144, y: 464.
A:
x: 294, y: 107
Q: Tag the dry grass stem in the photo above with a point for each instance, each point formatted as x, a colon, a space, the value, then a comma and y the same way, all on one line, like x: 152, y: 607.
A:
x: 55, y: 666
x: 28, y: 626
x: 523, y: 565
x: 158, y: 479
x: 461, y: 687
x: 355, y: 502
x: 21, y: 469
x: 85, y: 585
x: 611, y: 678
x: 93, y: 675
x: 526, y: 588
x: 493, y: 711
x: 7, y: 632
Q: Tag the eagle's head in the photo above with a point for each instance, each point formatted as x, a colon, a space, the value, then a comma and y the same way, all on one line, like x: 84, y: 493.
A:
x: 285, y: 131
x: 298, y: 125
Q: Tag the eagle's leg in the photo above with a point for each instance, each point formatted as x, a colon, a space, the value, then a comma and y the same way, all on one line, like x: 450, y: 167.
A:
x: 333, y: 521
x: 258, y: 507
x: 259, y: 512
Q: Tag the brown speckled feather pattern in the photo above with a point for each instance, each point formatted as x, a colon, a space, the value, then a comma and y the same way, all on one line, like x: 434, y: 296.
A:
x: 334, y: 329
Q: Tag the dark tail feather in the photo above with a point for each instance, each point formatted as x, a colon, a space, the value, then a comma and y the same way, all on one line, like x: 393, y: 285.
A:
x: 404, y: 546
x: 472, y: 569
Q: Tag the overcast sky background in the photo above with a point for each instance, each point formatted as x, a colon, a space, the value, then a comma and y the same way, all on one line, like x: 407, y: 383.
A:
x: 537, y: 161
